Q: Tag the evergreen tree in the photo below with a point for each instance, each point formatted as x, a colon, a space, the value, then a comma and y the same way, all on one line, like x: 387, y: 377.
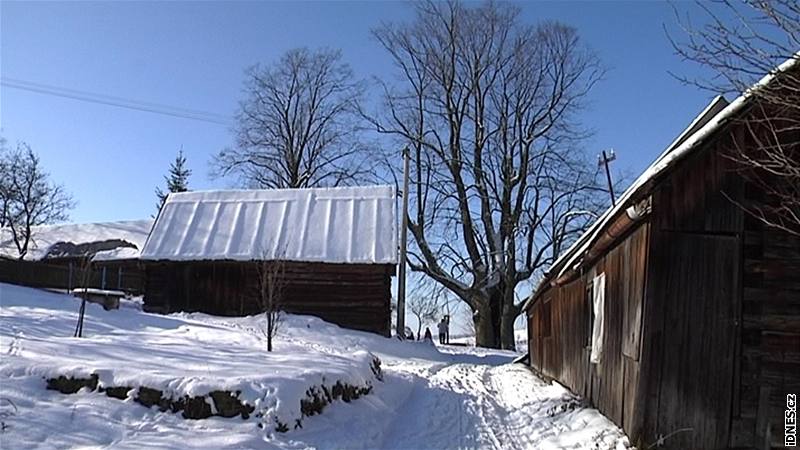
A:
x: 177, y: 179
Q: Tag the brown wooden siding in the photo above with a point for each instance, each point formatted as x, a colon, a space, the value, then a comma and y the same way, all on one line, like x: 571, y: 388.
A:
x: 124, y: 275
x: 694, y: 277
x: 702, y: 337
x: 564, y: 355
x: 695, y: 280
x: 351, y: 295
x: 770, y: 339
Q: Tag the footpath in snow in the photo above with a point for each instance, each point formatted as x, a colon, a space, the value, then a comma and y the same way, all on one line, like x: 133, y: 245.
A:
x: 429, y: 398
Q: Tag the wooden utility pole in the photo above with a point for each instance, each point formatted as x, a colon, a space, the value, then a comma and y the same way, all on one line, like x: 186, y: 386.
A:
x: 604, y: 160
x: 401, y: 279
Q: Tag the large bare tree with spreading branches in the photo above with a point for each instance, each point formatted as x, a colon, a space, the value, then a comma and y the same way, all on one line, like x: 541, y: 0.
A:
x: 487, y: 106
x: 28, y: 197
x: 739, y: 42
x: 298, y: 124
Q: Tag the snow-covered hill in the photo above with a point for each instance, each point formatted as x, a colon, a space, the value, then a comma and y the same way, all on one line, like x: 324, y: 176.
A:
x: 428, y: 397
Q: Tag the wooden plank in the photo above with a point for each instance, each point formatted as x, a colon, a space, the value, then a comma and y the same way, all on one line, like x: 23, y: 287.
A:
x: 762, y: 418
x: 695, y: 389
x: 634, y: 267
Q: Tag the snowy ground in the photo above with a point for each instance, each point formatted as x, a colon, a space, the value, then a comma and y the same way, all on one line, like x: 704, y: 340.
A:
x: 520, y: 340
x: 452, y: 397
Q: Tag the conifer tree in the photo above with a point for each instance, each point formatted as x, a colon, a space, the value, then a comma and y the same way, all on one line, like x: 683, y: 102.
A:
x: 177, y: 179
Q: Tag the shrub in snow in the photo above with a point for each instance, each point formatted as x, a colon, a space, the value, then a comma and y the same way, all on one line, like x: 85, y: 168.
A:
x: 7, y: 410
x: 375, y: 366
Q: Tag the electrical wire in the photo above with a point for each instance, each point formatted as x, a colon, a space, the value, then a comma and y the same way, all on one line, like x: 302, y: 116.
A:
x: 119, y: 102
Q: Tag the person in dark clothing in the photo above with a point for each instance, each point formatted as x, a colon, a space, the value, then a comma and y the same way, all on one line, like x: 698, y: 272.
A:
x: 443, y: 331
x: 428, y: 335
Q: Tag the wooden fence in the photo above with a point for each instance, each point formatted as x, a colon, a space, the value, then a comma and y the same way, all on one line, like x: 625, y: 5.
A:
x: 123, y: 277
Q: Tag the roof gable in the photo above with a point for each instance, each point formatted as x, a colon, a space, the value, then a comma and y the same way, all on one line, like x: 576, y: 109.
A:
x: 718, y: 113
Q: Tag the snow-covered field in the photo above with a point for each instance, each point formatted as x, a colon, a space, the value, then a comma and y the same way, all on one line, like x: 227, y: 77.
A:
x: 449, y: 397
x: 520, y: 340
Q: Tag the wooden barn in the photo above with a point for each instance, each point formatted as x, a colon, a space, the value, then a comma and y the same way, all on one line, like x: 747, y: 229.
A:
x: 677, y: 314
x: 57, y: 255
x: 337, y: 249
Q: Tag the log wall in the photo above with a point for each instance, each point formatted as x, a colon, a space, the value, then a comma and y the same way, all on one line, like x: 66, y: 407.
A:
x: 355, y: 296
x: 66, y: 273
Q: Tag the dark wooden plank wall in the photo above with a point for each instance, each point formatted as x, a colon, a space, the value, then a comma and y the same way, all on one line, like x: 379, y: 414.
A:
x: 769, y: 344
x: 765, y: 300
x: 695, y: 294
x: 614, y: 381
x: 351, y: 295
x: 694, y: 278
x: 770, y: 339
x: 566, y: 312
x: 720, y: 321
x: 122, y: 275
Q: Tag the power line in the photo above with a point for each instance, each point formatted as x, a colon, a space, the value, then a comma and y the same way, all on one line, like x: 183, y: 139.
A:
x: 119, y: 102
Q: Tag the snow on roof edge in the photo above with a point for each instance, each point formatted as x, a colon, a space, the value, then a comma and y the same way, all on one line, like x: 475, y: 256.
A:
x: 570, y: 258
x: 117, y: 254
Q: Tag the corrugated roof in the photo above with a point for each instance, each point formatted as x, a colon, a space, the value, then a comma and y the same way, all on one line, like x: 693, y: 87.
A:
x: 336, y: 225
x: 708, y: 122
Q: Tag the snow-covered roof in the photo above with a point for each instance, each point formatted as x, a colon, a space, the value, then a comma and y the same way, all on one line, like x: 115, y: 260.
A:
x: 117, y: 254
x: 718, y: 113
x: 336, y: 225
x: 47, y: 239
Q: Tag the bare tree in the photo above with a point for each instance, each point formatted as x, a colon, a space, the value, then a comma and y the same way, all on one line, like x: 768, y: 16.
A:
x: 5, y: 182
x: 85, y: 277
x: 426, y: 302
x: 28, y: 197
x: 271, y: 283
x: 488, y: 107
x: 298, y: 124
x: 740, y: 42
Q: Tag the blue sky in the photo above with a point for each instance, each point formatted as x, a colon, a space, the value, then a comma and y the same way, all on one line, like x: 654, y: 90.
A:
x: 193, y: 54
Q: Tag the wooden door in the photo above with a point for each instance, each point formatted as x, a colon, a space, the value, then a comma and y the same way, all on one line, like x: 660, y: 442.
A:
x: 697, y: 281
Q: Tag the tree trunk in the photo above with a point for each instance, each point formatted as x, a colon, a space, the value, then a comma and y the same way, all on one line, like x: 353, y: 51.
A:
x: 507, y: 341
x: 485, y: 329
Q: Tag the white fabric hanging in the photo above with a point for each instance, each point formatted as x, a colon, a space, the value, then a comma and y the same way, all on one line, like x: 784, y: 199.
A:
x: 599, y: 299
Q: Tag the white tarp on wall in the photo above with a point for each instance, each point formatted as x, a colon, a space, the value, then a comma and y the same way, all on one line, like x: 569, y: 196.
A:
x: 599, y: 299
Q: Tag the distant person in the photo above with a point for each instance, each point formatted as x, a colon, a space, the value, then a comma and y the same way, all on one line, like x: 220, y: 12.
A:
x: 447, y: 330
x: 443, y: 331
x: 428, y: 335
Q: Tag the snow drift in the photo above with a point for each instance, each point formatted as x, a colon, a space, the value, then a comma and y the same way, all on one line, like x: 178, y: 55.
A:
x: 184, y: 356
